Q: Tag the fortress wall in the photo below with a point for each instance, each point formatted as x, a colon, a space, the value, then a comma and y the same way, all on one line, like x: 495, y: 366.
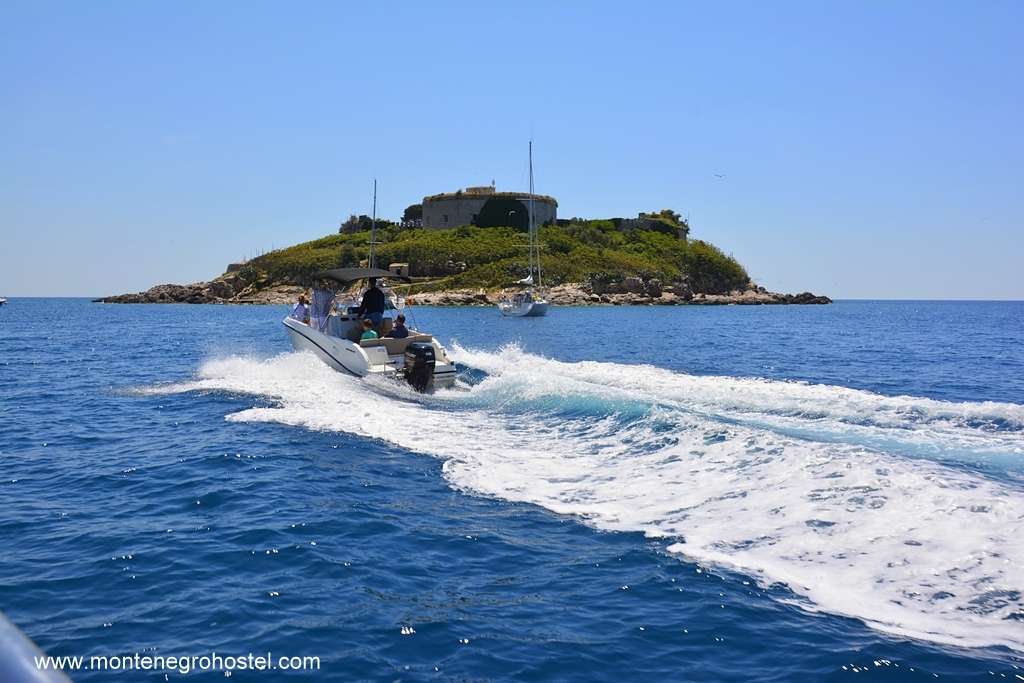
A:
x: 449, y: 212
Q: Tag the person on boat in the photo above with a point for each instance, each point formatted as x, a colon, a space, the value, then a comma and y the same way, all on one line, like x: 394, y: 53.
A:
x: 399, y: 331
x: 373, y: 304
x: 300, y: 311
x: 368, y: 332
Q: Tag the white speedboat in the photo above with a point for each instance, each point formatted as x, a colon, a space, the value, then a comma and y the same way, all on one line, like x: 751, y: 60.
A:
x: 2, y: 301
x: 334, y: 336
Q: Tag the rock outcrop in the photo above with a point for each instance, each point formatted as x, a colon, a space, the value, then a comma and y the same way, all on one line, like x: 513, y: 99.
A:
x: 454, y: 297
x: 230, y: 288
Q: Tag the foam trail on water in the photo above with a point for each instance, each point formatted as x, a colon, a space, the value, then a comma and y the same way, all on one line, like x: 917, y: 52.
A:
x: 837, y: 512
x: 987, y: 433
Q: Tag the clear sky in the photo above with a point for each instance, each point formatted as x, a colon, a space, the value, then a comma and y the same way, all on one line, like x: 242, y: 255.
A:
x: 868, y: 148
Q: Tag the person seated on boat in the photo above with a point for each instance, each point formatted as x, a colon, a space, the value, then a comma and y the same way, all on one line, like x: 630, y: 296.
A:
x: 368, y: 332
x: 300, y: 311
x: 399, y: 331
x: 373, y: 304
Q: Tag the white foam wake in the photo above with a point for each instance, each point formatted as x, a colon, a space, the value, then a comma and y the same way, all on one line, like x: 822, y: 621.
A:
x: 806, y: 485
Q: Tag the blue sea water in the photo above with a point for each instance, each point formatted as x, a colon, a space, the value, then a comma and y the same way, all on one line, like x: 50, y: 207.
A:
x: 694, y: 493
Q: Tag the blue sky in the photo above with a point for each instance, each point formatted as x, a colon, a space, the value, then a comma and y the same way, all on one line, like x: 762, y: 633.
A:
x: 869, y: 149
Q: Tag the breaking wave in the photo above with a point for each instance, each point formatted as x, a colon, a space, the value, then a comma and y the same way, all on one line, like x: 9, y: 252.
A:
x: 859, y: 503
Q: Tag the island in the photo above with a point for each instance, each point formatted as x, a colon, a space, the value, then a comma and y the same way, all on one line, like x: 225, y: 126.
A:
x: 647, y: 260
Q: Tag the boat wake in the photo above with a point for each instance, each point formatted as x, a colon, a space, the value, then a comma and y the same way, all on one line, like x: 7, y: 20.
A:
x: 863, y: 505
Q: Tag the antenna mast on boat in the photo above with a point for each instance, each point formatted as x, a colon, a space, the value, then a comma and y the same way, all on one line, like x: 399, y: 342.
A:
x: 373, y: 229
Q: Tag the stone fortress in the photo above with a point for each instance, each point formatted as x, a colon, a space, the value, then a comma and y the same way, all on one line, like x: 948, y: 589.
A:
x: 486, y: 207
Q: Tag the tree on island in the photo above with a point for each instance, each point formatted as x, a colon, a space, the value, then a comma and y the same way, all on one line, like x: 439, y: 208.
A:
x: 362, y: 223
x: 348, y: 257
x: 413, y: 212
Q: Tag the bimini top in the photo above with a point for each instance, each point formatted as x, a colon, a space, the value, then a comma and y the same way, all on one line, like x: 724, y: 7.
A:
x: 347, y: 275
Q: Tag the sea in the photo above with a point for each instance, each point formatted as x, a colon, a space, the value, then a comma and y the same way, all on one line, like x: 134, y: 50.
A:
x: 736, y: 493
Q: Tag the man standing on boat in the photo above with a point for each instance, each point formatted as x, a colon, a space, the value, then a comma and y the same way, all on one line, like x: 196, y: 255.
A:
x: 374, y: 303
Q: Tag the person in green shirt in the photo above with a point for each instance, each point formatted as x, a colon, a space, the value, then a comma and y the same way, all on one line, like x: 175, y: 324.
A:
x: 368, y: 332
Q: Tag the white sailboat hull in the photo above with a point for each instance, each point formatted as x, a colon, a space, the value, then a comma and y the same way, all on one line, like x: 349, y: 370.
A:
x: 526, y: 309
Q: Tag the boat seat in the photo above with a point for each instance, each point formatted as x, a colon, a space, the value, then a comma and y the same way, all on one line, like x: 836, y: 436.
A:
x: 395, y: 347
x: 356, y: 329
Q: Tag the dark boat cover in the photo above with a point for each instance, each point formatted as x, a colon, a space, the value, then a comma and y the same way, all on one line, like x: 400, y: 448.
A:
x: 347, y: 275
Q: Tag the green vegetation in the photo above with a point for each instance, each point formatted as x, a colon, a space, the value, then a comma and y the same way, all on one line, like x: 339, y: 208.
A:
x: 666, y: 220
x: 360, y: 223
x: 653, y: 246
x: 413, y: 212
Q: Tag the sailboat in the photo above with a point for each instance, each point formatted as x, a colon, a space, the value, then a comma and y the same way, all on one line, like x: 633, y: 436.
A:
x: 528, y: 302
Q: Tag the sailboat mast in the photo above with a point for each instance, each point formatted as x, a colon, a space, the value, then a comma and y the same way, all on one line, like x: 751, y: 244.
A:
x: 373, y: 229
x: 532, y: 227
x: 534, y: 246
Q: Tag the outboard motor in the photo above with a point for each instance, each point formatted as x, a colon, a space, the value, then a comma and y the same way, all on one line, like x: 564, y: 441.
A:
x: 419, y: 365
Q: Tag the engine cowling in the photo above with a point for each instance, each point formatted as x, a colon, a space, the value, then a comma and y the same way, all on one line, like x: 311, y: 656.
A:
x: 420, y: 361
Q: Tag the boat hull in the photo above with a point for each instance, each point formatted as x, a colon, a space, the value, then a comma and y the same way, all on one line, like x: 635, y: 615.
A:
x: 349, y: 357
x: 341, y: 354
x: 532, y: 309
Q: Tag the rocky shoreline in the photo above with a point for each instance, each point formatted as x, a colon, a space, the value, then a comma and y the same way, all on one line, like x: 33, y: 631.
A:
x: 576, y: 295
x: 232, y: 288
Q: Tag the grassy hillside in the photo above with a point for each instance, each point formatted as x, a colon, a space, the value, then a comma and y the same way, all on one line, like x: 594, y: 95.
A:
x: 495, y: 257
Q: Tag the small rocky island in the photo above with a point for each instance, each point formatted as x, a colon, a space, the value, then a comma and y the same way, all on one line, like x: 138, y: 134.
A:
x: 644, y: 261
